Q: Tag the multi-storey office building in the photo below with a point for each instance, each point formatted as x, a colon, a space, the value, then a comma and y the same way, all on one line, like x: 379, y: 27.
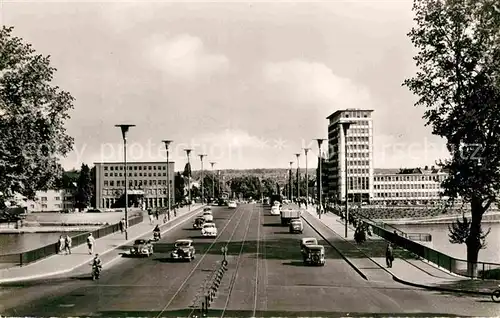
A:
x: 147, y: 183
x: 359, y: 156
x: 408, y: 186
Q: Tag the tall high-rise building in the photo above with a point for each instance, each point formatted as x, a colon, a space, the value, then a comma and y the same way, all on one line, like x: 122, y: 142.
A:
x: 359, y: 156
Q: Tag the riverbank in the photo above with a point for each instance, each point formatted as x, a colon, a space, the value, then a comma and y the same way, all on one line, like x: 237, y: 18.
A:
x: 48, y: 229
x: 492, y: 217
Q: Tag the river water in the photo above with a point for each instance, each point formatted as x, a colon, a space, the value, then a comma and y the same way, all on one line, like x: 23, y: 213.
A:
x: 16, y: 243
x: 441, y: 243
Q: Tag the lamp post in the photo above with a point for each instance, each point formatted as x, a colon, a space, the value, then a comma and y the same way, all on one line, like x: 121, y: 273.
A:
x: 201, y: 184
x: 345, y: 127
x: 124, y: 128
x: 290, y: 190
x: 213, y: 180
x: 320, y: 183
x: 298, y: 176
x: 188, y: 152
x: 167, y: 143
x: 306, y: 150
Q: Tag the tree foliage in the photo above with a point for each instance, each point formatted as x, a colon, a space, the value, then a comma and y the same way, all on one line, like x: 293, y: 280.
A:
x: 460, y: 231
x: 179, y: 185
x: 187, y: 170
x: 458, y: 84
x: 32, y: 116
x: 84, y: 189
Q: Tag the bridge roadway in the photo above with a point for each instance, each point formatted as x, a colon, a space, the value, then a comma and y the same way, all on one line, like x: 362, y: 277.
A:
x: 265, y: 278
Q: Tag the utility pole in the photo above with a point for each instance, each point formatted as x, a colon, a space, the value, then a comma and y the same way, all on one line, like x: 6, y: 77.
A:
x: 306, y: 150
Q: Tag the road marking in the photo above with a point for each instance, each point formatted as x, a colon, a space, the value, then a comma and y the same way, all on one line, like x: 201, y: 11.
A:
x: 257, y: 266
x: 67, y: 305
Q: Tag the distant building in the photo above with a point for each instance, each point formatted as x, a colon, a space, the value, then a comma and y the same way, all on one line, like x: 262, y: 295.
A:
x: 409, y: 186
x: 359, y: 156
x: 147, y: 183
x: 51, y: 201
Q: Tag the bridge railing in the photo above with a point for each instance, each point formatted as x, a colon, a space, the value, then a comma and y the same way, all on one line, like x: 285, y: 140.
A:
x: 27, y: 257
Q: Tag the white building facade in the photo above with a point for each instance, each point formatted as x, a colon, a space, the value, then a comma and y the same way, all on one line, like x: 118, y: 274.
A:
x: 51, y: 201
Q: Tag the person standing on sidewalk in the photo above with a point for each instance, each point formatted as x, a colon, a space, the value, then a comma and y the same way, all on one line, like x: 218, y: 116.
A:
x: 122, y: 225
x: 90, y: 243
x: 67, y: 242
x: 60, y: 245
x: 389, y: 255
x: 157, y: 214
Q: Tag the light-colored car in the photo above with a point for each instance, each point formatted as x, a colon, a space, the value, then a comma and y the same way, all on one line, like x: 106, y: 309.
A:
x: 209, y: 229
x: 207, y: 215
x: 296, y: 226
x: 275, y: 210
x: 183, y: 249
x: 232, y: 205
x: 307, y: 241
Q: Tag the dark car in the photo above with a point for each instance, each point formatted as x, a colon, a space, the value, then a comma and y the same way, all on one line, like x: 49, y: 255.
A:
x: 198, y: 222
x: 183, y: 249
x: 142, y: 247
x: 296, y: 226
x: 314, y: 255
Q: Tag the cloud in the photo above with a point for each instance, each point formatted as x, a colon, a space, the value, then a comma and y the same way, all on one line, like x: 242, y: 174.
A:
x: 185, y: 57
x: 309, y: 83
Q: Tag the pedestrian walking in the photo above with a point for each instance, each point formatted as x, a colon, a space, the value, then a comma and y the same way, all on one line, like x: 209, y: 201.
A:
x: 90, y: 243
x: 122, y: 225
x: 150, y: 214
x: 157, y: 214
x: 67, y: 242
x: 60, y: 245
x: 389, y: 255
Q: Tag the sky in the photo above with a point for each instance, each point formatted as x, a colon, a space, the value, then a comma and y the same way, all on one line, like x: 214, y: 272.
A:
x: 249, y: 84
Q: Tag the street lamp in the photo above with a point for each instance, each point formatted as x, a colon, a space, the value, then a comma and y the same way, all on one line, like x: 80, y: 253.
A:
x: 298, y: 176
x: 290, y: 191
x: 167, y: 143
x: 345, y: 127
x: 320, y: 184
x: 201, y: 184
x: 213, y: 180
x: 188, y: 152
x: 124, y: 128
x: 306, y: 150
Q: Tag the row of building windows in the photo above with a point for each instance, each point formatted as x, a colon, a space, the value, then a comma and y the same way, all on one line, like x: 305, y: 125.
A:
x: 67, y: 198
x: 410, y: 178
x: 359, y: 183
x: 356, y: 114
x: 407, y: 186
x: 358, y: 171
x: 119, y: 192
x: 136, y: 183
x: 358, y: 155
x: 358, y: 139
x: 354, y: 131
x: 363, y: 163
x: 358, y: 147
x: 117, y: 168
x: 135, y: 174
x: 406, y: 194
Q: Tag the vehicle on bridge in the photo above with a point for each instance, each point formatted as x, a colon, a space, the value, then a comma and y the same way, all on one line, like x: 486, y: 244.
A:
x: 314, y: 255
x: 288, y: 214
x: 142, y: 247
x: 207, y: 215
x: 198, y: 222
x: 232, y: 205
x: 183, y: 249
x: 296, y: 226
x: 307, y: 241
x: 209, y: 229
x: 275, y: 209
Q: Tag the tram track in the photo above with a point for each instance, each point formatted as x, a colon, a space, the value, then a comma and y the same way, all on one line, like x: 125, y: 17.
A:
x: 201, y: 259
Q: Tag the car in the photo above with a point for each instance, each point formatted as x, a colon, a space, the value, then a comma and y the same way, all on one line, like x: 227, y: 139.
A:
x: 198, y: 222
x: 205, y: 209
x: 183, y: 250
x: 275, y: 210
x: 307, y: 241
x: 314, y: 255
x: 209, y: 229
x: 296, y: 226
x: 232, y: 204
x: 207, y: 215
x: 142, y: 247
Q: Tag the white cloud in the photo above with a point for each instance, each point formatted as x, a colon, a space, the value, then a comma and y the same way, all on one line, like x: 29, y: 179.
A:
x: 185, y: 56
x: 313, y: 83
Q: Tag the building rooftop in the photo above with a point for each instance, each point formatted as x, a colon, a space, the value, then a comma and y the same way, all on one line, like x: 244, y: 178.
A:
x: 346, y: 110
x: 133, y: 162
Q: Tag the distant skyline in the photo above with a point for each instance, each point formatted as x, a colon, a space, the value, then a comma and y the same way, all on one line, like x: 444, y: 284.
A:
x: 247, y: 84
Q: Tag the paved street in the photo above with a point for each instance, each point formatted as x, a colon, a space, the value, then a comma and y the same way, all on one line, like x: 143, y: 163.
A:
x: 265, y: 278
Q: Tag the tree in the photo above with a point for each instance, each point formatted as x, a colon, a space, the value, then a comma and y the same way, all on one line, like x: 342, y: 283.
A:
x: 84, y: 191
x: 187, y: 170
x: 460, y: 231
x: 458, y: 83
x: 179, y: 184
x: 32, y: 117
x: 93, y: 175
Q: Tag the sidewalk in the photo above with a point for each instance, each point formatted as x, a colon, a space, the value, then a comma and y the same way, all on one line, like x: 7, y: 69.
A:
x: 406, y: 268
x: 61, y: 264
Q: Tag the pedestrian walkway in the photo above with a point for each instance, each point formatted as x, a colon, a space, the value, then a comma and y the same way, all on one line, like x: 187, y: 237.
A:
x: 61, y: 264
x: 406, y: 268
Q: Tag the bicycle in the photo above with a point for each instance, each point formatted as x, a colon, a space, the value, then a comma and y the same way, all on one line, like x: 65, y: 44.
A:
x: 495, y: 295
